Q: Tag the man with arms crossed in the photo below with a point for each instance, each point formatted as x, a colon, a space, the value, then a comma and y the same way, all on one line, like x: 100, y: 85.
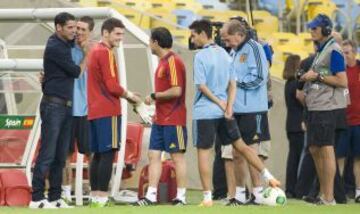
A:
x: 104, y: 110
x: 168, y: 132
x: 212, y: 109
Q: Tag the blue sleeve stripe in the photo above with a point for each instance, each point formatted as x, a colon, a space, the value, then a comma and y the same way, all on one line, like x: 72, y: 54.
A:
x: 259, y: 77
x: 337, y: 62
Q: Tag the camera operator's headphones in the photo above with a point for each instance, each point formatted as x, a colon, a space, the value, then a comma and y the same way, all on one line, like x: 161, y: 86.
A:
x: 325, y: 23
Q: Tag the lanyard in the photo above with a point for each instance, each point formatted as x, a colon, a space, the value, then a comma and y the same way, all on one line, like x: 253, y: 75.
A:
x: 322, y: 52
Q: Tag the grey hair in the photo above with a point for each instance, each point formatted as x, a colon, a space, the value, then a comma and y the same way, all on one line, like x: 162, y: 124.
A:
x: 234, y: 26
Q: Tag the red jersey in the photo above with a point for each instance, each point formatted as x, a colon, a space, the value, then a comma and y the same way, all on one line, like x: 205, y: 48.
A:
x: 169, y: 73
x: 103, y: 86
x: 353, y: 110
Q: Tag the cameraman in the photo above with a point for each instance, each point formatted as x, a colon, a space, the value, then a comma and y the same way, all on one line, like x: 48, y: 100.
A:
x: 325, y: 99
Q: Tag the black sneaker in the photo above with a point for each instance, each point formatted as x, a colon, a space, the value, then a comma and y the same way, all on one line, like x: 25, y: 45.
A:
x: 178, y: 202
x: 144, y: 202
x: 310, y: 199
x: 357, y: 199
x: 233, y: 202
x: 251, y: 200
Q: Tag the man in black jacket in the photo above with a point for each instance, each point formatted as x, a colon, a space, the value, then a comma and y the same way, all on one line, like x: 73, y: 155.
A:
x: 56, y: 113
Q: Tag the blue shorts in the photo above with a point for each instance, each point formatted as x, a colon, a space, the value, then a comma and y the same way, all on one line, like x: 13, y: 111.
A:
x: 170, y: 138
x: 349, y: 142
x: 105, y: 134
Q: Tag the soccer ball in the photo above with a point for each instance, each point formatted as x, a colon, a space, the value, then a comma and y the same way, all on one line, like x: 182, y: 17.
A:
x: 274, y: 196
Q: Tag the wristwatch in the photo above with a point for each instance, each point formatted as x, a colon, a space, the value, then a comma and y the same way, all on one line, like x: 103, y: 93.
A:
x: 152, y: 95
x: 320, y: 77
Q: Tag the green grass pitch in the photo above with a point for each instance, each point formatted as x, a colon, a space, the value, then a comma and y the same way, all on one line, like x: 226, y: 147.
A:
x: 194, y: 197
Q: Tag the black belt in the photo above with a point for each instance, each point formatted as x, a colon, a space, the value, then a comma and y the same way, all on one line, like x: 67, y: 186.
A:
x: 57, y: 100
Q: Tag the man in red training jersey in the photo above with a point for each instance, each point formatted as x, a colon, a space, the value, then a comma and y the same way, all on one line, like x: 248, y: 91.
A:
x: 168, y: 132
x: 104, y: 110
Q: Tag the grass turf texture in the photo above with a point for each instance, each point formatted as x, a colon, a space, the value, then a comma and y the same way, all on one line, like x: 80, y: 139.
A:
x: 194, y: 197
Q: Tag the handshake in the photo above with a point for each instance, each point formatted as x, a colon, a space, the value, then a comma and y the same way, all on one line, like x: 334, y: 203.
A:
x: 145, y: 111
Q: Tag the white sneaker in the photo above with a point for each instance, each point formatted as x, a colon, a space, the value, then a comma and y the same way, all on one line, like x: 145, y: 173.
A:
x: 60, y: 203
x: 43, y: 204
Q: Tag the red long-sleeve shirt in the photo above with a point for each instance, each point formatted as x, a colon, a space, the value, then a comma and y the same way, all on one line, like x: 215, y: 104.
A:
x: 104, y: 90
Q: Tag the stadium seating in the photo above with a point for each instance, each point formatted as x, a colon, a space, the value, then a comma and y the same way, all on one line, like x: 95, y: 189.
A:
x: 314, y: 7
x: 281, y: 38
x: 270, y: 5
x: 12, y: 145
x: 213, y: 5
x: 306, y: 42
x: 184, y: 17
x: 166, y: 18
x: 181, y: 36
x: 163, y: 4
x: 264, y: 22
x: 137, y: 18
x: 15, y: 190
x: 188, y: 5
x: 218, y: 15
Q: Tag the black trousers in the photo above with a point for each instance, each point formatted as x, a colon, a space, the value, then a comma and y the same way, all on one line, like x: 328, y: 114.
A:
x: 296, y: 144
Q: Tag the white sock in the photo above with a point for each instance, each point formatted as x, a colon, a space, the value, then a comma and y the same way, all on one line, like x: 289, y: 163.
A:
x: 151, y: 194
x: 266, y: 175
x: 257, y: 193
x: 257, y: 190
x: 67, y: 191
x: 357, y: 193
x: 66, y: 188
x: 240, y: 194
x: 181, y: 194
x: 102, y: 200
x: 207, y: 196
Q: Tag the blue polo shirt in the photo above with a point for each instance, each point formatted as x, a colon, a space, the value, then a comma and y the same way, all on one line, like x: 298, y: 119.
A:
x: 80, y: 89
x: 251, y: 72
x: 211, y: 68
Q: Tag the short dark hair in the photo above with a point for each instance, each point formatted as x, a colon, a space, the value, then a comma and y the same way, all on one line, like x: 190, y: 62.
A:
x: 292, y: 65
x: 89, y: 21
x: 62, y: 18
x: 111, y: 23
x: 163, y: 36
x: 202, y: 25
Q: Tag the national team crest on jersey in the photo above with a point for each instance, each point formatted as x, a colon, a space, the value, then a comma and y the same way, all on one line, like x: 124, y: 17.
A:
x: 243, y: 58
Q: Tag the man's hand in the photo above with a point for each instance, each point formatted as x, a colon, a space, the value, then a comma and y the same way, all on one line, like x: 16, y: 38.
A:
x: 133, y: 97
x: 274, y: 182
x: 148, y: 100
x: 41, y: 77
x: 223, y: 105
x: 311, y: 75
